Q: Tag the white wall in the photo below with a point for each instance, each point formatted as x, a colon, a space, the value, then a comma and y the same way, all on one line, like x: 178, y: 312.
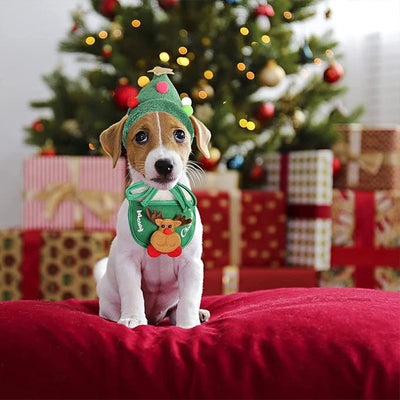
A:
x: 30, y: 31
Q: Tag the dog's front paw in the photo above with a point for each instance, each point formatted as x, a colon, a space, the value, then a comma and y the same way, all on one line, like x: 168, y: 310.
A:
x: 131, y: 322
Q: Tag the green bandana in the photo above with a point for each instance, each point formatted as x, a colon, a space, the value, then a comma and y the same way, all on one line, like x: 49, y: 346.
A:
x: 142, y: 227
x: 159, y: 95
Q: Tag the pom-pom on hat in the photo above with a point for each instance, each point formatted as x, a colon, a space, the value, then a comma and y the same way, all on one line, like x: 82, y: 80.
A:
x: 159, y: 95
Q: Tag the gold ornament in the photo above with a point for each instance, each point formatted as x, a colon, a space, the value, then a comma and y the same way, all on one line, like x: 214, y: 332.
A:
x: 202, y: 92
x: 116, y: 31
x: 272, y: 74
x: 298, y: 118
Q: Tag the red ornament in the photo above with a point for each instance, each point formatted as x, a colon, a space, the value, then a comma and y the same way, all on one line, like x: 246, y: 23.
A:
x: 107, y: 8
x: 106, y: 51
x: 123, y: 96
x: 336, y: 166
x: 167, y: 4
x: 333, y: 73
x: 265, y: 112
x: 210, y: 164
x: 37, y: 126
x: 257, y: 174
x: 264, y: 10
x: 48, y: 149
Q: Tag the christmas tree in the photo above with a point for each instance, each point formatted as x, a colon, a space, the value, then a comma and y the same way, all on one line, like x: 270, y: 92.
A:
x: 222, y: 53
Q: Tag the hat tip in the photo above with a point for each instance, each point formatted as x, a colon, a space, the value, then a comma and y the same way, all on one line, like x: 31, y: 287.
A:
x: 161, y: 70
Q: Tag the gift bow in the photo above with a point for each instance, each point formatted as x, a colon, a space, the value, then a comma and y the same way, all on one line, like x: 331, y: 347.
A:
x: 369, y: 162
x: 102, y: 204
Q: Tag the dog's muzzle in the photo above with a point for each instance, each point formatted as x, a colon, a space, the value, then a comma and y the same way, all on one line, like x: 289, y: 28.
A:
x: 164, y: 167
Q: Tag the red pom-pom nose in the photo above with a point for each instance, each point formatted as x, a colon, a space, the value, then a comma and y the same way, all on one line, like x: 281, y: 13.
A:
x: 167, y: 231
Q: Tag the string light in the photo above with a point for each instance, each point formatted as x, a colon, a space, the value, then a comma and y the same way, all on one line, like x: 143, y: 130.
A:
x: 287, y: 15
x: 202, y: 94
x: 265, y: 39
x: 254, y: 43
x: 243, y: 123
x: 244, y: 31
x: 91, y: 146
x: 183, y: 95
x: 329, y: 53
x: 208, y: 74
x: 183, y: 32
x: 205, y: 41
x: 317, y: 61
x: 136, y: 23
x: 224, y: 102
x: 182, y: 50
x: 251, y: 125
x: 164, y: 56
x: 143, y: 81
x: 103, y: 34
x: 90, y: 40
x: 241, y: 66
x: 123, y: 81
x: 191, y: 56
x: 250, y: 75
x: 184, y: 61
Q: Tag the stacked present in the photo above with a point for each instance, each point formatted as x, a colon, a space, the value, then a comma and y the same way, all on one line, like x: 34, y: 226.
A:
x: 366, y: 210
x: 70, y: 208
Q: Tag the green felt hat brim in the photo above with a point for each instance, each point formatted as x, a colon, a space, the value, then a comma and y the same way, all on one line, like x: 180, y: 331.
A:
x: 134, y: 114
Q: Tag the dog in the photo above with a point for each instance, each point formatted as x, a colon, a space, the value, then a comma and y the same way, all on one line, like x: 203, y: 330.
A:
x: 142, y: 285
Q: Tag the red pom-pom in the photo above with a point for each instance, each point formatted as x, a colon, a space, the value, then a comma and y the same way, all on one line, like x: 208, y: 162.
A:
x: 333, y: 73
x: 107, y: 8
x: 122, y: 94
x: 162, y: 87
x: 265, y: 112
x: 133, y: 102
x: 336, y: 166
x: 257, y: 174
x: 264, y: 10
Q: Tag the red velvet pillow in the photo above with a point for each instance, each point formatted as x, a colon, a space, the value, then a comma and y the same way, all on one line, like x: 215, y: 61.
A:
x: 283, y: 343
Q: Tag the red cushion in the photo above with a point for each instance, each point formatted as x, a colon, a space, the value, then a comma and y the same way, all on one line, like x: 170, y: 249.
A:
x: 281, y: 343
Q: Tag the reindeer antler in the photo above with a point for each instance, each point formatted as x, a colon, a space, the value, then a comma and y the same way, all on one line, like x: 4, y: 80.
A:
x: 154, y: 215
x: 183, y: 219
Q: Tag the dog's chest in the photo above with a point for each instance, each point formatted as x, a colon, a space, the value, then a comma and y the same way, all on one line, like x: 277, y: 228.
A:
x: 159, y: 275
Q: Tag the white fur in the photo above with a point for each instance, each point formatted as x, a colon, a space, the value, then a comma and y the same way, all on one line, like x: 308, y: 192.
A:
x: 137, y: 289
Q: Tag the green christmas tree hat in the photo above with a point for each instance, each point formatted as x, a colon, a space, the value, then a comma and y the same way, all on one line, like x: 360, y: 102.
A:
x: 159, y: 95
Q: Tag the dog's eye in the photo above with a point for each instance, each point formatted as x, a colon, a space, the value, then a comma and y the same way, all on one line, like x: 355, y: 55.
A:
x: 169, y: 226
x: 179, y: 135
x: 141, y: 137
x: 162, y: 226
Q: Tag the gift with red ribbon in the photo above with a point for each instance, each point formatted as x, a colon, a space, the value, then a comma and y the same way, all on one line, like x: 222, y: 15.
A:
x: 366, y: 235
x: 306, y: 179
x: 50, y: 265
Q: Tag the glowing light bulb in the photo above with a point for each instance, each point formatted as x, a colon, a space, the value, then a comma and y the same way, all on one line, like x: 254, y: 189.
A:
x: 164, y: 56
x: 103, y: 34
x: 123, y: 81
x: 265, y: 39
x: 184, y: 61
x: 250, y: 75
x: 287, y: 15
x: 202, y: 94
x: 329, y: 53
x: 244, y: 31
x: 208, y: 74
x: 241, y: 66
x: 91, y: 146
x: 317, y: 61
x: 90, y: 40
x: 143, y: 80
x: 136, y: 23
x: 182, y: 50
x: 251, y: 126
x: 243, y: 122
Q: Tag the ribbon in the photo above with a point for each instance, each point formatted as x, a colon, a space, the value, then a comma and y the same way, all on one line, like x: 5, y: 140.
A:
x: 101, y: 204
x: 31, y: 245
x: 351, y: 155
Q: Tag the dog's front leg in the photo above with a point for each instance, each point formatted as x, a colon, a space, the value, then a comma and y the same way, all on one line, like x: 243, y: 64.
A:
x: 190, y: 281
x: 132, y: 302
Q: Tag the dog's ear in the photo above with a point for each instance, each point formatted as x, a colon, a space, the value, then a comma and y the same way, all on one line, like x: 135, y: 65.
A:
x: 202, y: 135
x: 111, y: 139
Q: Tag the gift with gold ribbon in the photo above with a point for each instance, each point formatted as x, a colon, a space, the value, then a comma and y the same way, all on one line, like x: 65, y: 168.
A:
x: 72, y: 192
x: 370, y: 158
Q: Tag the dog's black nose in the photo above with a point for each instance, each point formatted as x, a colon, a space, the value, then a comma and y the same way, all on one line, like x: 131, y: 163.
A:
x: 164, y: 166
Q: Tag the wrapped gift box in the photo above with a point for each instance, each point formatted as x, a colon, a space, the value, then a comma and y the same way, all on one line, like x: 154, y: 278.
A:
x: 50, y: 265
x: 306, y: 179
x: 242, y: 228
x: 371, y: 277
x: 370, y: 158
x: 232, y: 279
x: 72, y: 192
x: 366, y: 229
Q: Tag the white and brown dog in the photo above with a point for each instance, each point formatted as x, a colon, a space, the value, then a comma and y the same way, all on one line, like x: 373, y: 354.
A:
x: 138, y: 287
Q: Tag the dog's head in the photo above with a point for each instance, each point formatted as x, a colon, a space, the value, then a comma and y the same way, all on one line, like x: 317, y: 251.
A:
x: 157, y: 142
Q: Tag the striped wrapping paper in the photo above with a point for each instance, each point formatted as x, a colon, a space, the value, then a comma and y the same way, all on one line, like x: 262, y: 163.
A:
x: 72, y: 192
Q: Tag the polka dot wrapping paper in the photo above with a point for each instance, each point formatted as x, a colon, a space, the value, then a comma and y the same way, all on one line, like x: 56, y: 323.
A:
x: 50, y: 265
x: 64, y: 192
x: 306, y: 179
x: 370, y: 158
